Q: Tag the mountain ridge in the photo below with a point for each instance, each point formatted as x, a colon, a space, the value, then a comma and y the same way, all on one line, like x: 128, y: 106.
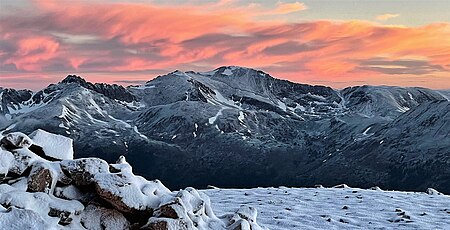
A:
x: 246, y: 128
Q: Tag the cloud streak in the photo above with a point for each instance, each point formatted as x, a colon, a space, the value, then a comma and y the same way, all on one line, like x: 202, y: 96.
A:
x: 128, y: 42
x: 385, y: 17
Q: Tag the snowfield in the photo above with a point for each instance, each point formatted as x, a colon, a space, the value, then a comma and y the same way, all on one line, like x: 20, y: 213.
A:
x: 337, y: 208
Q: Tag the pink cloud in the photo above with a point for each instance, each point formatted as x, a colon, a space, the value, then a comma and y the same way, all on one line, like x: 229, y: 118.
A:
x: 140, y: 40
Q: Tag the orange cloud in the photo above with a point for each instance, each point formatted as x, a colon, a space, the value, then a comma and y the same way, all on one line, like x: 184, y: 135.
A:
x: 130, y: 41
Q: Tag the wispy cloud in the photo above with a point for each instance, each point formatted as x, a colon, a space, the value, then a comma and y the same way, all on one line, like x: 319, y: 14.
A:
x: 385, y: 17
x: 286, y: 8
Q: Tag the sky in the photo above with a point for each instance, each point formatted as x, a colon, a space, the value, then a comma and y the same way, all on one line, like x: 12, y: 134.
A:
x: 336, y: 43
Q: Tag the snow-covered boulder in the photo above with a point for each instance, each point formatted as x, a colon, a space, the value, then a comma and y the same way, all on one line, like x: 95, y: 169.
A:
x: 82, y: 171
x: 99, y: 218
x: 55, y: 146
x: 376, y: 188
x: 23, y: 159
x: 341, y: 186
x: 69, y: 192
x: 42, y: 178
x: 244, y: 219
x: 15, y: 141
x: 53, y: 210
x: 17, y: 218
x: 6, y: 162
x: 123, y: 192
x: 432, y: 191
x: 189, y: 209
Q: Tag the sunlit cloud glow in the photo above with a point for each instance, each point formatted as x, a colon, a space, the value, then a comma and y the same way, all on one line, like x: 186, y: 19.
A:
x: 134, y: 42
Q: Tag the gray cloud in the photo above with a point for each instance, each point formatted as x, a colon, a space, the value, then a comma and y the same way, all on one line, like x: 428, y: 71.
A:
x: 293, y: 47
x: 403, y: 66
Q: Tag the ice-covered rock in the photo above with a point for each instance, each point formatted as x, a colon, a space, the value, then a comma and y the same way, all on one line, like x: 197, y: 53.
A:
x: 244, y: 219
x: 17, y: 218
x: 189, y: 209
x: 123, y: 192
x: 53, y: 210
x: 376, y: 188
x: 99, y: 218
x: 432, y: 191
x: 6, y: 161
x: 55, y: 146
x: 15, y: 140
x: 23, y: 159
x: 341, y: 186
x: 69, y: 192
x: 82, y: 171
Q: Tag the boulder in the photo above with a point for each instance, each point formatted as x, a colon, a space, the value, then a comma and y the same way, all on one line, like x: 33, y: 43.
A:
x: 122, y: 192
x: 6, y: 161
x: 46, y: 206
x: 23, y: 159
x: 94, y: 217
x: 41, y: 178
x: 376, y: 188
x: 23, y: 219
x: 15, y: 141
x: 341, y: 186
x: 244, y: 219
x: 54, y: 146
x: 69, y: 192
x: 82, y: 171
x: 127, y: 192
x: 165, y: 224
x: 432, y: 191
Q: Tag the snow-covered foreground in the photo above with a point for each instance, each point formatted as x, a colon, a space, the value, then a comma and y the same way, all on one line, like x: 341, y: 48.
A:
x: 337, y: 208
x: 43, y: 187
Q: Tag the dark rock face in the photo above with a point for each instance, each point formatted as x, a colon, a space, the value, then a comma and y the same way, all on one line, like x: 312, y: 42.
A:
x: 11, y: 98
x: 111, y: 91
x: 40, y: 179
x: 239, y: 127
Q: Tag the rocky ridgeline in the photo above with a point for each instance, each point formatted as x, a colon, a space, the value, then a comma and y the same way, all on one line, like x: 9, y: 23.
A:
x: 43, y: 187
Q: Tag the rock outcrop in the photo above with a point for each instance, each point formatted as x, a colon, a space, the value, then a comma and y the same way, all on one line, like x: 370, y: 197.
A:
x: 42, y: 187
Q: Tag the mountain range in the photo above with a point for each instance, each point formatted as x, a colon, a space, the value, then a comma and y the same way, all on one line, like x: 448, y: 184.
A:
x: 241, y: 127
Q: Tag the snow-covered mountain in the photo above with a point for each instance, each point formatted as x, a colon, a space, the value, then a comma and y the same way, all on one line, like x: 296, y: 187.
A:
x: 241, y: 127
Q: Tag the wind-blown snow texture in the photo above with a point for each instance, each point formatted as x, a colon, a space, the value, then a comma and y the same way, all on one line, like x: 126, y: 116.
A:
x: 239, y: 127
x: 337, y: 208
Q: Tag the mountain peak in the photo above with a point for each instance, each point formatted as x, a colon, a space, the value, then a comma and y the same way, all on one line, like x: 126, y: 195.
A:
x: 74, y: 79
x: 236, y: 71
